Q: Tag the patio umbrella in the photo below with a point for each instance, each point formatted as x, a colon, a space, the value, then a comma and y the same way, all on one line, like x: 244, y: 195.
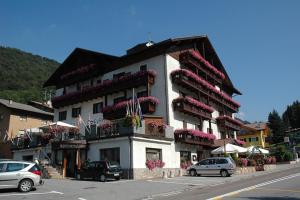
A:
x: 229, y: 148
x: 256, y: 150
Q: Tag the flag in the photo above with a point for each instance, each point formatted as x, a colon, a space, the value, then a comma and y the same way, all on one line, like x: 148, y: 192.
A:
x: 127, y: 109
x: 28, y: 135
x: 6, y: 137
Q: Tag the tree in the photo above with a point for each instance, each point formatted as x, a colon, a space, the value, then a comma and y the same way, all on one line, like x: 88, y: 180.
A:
x: 291, y: 116
x: 276, y: 126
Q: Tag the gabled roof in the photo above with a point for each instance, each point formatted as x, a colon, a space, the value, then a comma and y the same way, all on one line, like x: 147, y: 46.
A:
x: 106, y: 63
x: 23, y: 107
x: 257, y: 126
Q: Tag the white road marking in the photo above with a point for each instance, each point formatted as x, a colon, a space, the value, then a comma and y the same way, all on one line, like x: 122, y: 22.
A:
x: 81, y: 199
x: 255, y: 186
x: 171, y: 182
x: 31, y: 193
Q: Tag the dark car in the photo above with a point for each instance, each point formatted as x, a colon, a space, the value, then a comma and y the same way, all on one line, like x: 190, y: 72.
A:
x: 100, y: 170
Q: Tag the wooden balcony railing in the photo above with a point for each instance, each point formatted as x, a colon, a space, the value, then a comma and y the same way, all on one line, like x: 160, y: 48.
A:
x: 192, y: 137
x: 226, y: 122
x: 192, y: 82
x: 182, y: 104
x: 192, y: 60
x: 108, y: 87
x: 148, y: 106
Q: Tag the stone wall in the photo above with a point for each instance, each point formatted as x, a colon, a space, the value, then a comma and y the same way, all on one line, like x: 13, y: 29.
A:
x: 145, y: 173
x: 245, y: 170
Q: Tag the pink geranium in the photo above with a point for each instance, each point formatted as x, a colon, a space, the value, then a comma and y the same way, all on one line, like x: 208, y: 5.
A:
x: 205, y: 84
x: 227, y: 118
x: 123, y: 104
x: 212, y: 68
x: 195, y: 133
x: 194, y: 102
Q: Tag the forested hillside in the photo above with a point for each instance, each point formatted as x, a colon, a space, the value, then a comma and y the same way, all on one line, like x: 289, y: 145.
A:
x: 22, y: 75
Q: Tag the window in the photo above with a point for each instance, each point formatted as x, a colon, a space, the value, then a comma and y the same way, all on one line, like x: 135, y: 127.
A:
x: 97, y: 107
x: 119, y: 75
x: 119, y: 99
x: 153, y: 154
x: 142, y: 94
x: 185, y: 156
x: 78, y: 87
x: 92, y: 82
x: 76, y: 112
x: 209, y: 130
x: 1, y: 167
x: 184, y: 124
x: 256, y: 139
x: 62, y: 115
x: 221, y: 161
x: 143, y: 67
x: 23, y: 118
x: 111, y: 154
x: 13, y: 167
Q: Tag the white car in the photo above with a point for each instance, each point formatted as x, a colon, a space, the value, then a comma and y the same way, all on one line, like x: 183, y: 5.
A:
x: 19, y: 174
x: 224, y: 166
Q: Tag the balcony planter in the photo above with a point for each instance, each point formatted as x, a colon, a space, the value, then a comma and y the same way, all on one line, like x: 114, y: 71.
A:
x: 191, y: 54
x: 195, y: 137
x: 192, y: 107
x: 107, y: 87
x: 194, y: 82
x: 148, y: 105
x: 228, y: 122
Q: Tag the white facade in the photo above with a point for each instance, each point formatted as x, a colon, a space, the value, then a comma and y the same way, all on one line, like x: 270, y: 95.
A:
x: 133, y: 149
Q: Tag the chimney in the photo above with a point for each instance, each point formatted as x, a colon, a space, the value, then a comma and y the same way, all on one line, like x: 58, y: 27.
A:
x: 10, y: 101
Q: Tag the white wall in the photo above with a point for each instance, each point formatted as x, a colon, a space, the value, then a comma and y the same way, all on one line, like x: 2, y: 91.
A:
x: 139, y: 152
x: 86, y: 112
x: 157, y: 90
x: 122, y: 143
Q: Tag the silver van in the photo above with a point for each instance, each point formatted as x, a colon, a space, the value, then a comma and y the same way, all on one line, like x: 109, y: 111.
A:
x: 224, y: 166
x: 19, y: 174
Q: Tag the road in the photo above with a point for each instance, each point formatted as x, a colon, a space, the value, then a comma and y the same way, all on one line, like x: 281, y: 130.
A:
x: 169, y: 189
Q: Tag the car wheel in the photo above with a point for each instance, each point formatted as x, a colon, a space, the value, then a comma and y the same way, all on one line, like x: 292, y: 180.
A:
x: 224, y: 173
x: 118, y: 178
x: 193, y: 172
x: 102, y: 178
x: 25, y: 185
x: 78, y: 177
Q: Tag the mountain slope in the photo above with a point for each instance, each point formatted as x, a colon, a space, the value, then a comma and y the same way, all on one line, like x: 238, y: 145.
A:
x: 22, y: 75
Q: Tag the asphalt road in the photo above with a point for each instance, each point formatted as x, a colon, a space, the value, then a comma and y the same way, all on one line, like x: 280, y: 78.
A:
x: 175, y: 188
x: 281, y: 185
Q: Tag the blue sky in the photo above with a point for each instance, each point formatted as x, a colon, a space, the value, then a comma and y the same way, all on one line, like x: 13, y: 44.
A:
x: 257, y: 41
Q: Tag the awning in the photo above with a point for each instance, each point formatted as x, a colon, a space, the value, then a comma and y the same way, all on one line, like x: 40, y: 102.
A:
x: 257, y: 150
x: 229, y: 148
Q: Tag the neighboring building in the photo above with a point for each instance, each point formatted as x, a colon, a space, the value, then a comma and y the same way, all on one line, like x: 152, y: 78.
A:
x: 255, y: 134
x: 185, y: 96
x: 16, y: 117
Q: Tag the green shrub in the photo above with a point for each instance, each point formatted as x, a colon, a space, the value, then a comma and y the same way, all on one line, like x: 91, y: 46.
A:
x: 288, y: 156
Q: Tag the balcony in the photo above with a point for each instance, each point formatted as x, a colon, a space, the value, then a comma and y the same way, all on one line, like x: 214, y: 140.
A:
x: 196, y: 137
x: 151, y: 127
x: 192, y: 107
x: 117, y: 111
x: 193, y: 82
x: 108, y: 87
x: 226, y: 122
x: 192, y: 59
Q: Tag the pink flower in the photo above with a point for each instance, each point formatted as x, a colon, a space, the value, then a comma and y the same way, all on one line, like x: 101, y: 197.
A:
x: 194, y: 102
x: 123, y: 104
x: 195, y: 133
x: 100, y: 88
x: 205, y: 84
x: 225, y: 117
x: 198, y: 56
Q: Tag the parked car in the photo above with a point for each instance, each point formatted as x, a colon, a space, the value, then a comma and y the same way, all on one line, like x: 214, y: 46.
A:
x: 100, y: 170
x: 19, y: 174
x: 224, y: 166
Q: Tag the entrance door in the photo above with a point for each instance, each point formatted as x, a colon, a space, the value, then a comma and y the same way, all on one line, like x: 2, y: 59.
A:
x: 71, y: 163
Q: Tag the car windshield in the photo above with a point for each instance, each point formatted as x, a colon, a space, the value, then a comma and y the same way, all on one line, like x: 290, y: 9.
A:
x: 114, y: 164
